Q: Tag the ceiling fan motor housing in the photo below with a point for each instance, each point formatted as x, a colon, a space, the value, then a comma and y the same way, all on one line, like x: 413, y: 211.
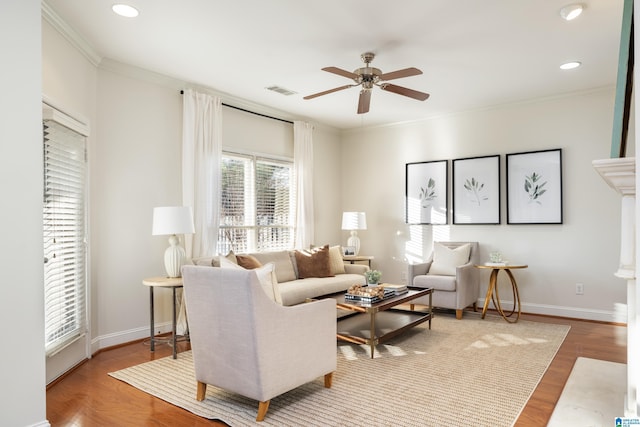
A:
x: 367, y: 76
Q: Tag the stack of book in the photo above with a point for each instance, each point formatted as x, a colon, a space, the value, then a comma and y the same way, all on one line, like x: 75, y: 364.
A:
x: 397, y: 289
x: 370, y: 296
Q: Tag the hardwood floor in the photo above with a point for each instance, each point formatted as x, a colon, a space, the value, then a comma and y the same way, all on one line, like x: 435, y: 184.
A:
x: 89, y: 397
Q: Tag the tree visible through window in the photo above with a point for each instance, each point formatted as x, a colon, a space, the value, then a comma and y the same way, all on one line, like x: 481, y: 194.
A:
x: 257, y: 205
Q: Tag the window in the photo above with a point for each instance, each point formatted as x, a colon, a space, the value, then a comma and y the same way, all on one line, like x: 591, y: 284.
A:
x: 64, y: 236
x: 257, y: 205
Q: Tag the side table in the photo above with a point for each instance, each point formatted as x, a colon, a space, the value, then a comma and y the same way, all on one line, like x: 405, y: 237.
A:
x: 163, y: 282
x: 354, y: 258
x: 492, y: 291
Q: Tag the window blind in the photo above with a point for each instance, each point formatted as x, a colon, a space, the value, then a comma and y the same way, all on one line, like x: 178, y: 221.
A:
x: 64, y: 227
x: 257, y: 204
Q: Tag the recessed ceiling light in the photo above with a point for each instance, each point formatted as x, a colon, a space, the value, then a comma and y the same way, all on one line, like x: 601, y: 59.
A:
x: 125, y: 10
x: 571, y: 11
x: 570, y: 65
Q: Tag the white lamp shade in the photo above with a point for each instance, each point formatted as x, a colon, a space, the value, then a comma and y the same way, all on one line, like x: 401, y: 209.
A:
x: 354, y: 221
x: 172, y: 220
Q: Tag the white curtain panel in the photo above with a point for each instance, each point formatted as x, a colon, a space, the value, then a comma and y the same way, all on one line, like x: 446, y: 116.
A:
x: 303, y: 167
x: 201, y: 156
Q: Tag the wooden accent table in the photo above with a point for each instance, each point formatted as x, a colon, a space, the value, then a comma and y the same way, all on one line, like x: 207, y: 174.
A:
x: 379, y: 322
x: 163, y: 282
x: 492, y: 291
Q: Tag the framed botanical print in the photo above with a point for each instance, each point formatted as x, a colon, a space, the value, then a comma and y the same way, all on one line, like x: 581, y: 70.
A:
x: 426, y: 192
x: 476, y: 190
x: 534, y: 187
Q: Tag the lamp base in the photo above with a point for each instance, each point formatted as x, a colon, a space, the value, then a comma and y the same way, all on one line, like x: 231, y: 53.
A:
x: 354, y: 241
x: 174, y: 257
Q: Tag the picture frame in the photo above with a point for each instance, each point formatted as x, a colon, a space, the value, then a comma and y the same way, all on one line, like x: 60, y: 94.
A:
x: 426, y: 192
x: 534, y: 187
x: 476, y: 190
x: 348, y: 251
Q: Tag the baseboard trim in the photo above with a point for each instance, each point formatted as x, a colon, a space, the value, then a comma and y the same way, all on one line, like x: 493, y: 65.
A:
x: 123, y: 337
x: 610, y: 316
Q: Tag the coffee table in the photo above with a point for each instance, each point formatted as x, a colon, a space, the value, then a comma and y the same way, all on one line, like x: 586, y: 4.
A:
x: 379, y: 322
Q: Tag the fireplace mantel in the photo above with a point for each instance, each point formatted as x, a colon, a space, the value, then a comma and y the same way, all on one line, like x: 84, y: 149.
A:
x: 620, y: 174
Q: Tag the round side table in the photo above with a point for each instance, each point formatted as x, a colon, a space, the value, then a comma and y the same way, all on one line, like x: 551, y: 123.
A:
x: 492, y: 291
x: 163, y: 282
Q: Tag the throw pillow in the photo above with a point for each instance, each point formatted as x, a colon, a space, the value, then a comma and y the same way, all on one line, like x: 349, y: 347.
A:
x: 227, y: 263
x: 335, y: 260
x: 445, y: 260
x: 266, y: 276
x: 313, y: 263
x: 230, y: 256
x: 248, y: 261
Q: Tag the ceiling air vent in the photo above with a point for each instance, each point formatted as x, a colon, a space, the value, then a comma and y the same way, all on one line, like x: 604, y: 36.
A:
x: 281, y: 90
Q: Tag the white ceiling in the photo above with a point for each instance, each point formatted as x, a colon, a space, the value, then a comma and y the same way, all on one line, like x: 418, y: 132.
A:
x: 473, y: 53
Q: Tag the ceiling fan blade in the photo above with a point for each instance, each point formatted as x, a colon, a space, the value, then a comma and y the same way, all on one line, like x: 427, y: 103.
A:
x: 421, y: 96
x: 407, y: 72
x: 341, y: 72
x: 364, y: 101
x: 315, y: 95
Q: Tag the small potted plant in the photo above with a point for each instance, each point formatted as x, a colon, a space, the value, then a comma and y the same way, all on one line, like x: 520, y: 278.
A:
x: 373, y: 277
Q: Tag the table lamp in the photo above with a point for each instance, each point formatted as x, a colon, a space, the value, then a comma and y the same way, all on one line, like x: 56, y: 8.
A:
x: 354, y: 221
x: 170, y: 221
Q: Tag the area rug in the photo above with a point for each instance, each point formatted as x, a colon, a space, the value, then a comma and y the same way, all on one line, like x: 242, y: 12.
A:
x: 593, y: 395
x: 461, y: 372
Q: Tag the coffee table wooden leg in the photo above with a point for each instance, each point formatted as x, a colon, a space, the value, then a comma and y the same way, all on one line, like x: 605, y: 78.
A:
x: 372, y: 333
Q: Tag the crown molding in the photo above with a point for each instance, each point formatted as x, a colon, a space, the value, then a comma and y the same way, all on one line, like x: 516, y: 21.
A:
x: 70, y: 34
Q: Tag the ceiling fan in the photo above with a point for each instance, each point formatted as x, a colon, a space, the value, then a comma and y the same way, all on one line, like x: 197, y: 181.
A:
x: 368, y: 77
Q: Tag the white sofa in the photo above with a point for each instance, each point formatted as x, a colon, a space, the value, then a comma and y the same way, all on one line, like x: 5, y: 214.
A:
x: 291, y: 289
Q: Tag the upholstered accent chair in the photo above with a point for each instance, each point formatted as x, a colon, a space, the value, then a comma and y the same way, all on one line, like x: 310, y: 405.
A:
x: 450, y: 271
x: 246, y: 343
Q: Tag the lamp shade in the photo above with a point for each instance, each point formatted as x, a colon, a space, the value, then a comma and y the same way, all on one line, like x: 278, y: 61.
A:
x: 172, y: 220
x: 354, y: 221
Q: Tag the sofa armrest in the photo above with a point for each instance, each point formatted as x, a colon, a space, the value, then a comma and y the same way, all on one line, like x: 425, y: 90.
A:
x: 468, y: 279
x: 414, y: 270
x: 355, y: 268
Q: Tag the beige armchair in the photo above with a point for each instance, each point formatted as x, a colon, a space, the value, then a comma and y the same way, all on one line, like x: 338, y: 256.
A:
x: 455, y: 284
x: 244, y: 342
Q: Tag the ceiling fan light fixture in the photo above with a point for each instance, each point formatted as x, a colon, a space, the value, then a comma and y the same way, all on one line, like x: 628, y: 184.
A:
x: 570, y: 65
x: 571, y: 11
x: 125, y: 10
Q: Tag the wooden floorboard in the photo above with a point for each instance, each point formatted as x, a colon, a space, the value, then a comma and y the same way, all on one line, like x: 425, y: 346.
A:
x: 89, y: 397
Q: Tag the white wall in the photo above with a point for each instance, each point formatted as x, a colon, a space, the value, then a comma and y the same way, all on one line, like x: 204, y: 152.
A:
x: 584, y: 249
x: 22, y: 370
x: 136, y: 166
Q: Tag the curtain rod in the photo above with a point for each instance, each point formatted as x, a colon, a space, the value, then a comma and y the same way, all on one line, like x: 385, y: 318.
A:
x: 251, y: 112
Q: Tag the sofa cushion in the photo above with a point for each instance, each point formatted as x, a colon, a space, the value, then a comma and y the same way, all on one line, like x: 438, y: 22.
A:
x: 297, y: 291
x: 282, y: 261
x: 205, y: 261
x: 313, y: 262
x: 445, y: 260
x: 266, y: 275
x: 335, y: 260
x: 248, y: 261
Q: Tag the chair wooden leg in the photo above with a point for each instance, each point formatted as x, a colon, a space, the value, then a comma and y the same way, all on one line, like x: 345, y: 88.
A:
x: 328, y: 380
x: 263, y: 407
x: 475, y: 307
x: 458, y: 314
x: 202, y: 391
x: 411, y: 306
